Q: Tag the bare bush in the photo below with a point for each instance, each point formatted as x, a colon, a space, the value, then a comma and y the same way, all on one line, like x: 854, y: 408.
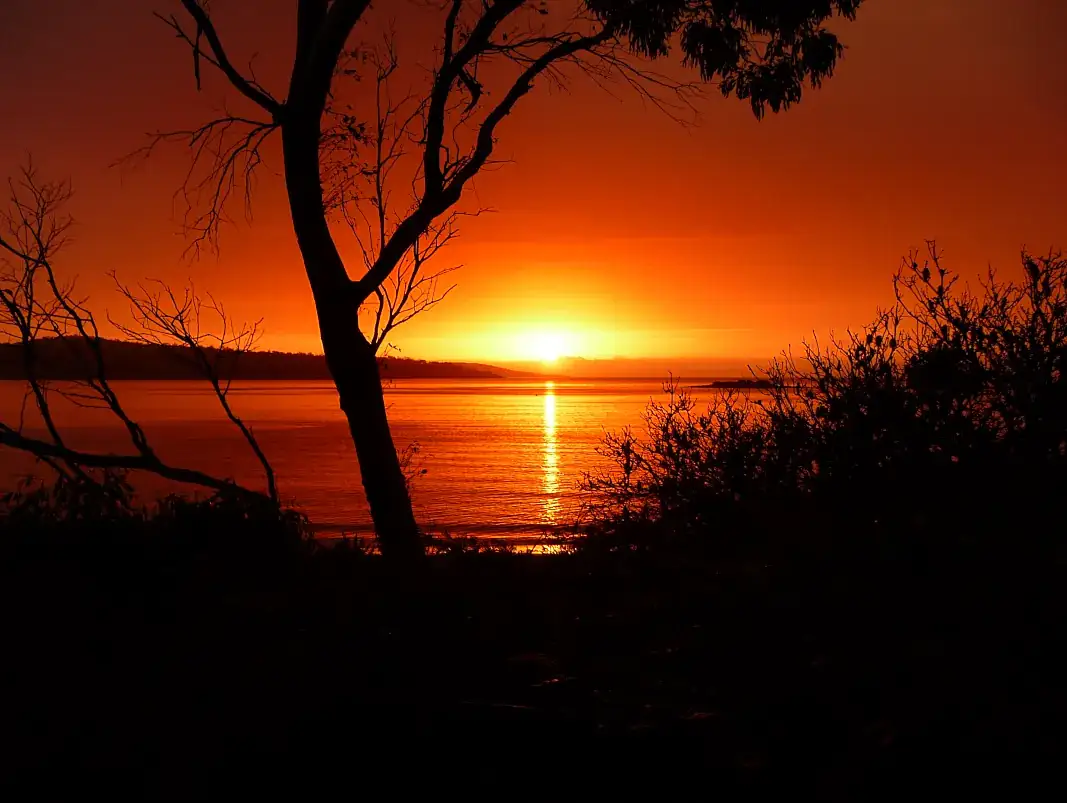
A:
x: 38, y: 309
x: 950, y: 408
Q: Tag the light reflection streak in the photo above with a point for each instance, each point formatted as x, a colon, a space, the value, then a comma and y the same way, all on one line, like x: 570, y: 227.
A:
x: 550, y: 462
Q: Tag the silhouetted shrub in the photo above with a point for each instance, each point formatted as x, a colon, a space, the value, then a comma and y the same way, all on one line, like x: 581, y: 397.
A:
x: 69, y: 501
x: 942, y: 422
x: 100, y: 513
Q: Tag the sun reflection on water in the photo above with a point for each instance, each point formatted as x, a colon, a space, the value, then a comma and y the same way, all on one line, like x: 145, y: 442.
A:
x: 550, y: 463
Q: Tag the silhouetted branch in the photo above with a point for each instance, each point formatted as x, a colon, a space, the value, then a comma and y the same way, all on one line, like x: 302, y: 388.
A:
x: 447, y: 168
x: 226, y: 150
x: 224, y: 155
x: 673, y: 98
x: 366, y: 196
x: 49, y: 452
x: 34, y: 228
x: 456, y: 102
x: 161, y: 317
x: 35, y: 303
x: 205, y: 28
x: 411, y: 290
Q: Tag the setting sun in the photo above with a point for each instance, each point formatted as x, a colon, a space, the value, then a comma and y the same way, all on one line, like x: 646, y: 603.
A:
x: 547, y: 347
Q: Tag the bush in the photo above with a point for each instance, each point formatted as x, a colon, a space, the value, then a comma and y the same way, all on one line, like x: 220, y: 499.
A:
x: 99, y: 513
x: 942, y: 422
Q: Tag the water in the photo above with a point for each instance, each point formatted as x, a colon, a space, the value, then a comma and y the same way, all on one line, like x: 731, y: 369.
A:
x: 500, y: 457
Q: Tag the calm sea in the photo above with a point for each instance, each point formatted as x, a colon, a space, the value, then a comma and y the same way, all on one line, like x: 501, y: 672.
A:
x: 500, y: 457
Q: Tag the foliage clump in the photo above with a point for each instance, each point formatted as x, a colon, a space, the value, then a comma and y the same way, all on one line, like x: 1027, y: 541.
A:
x: 99, y: 513
x: 944, y: 420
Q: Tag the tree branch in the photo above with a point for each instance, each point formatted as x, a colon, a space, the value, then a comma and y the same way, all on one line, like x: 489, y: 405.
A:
x: 50, y: 451
x: 451, y: 69
x: 226, y: 153
x: 436, y: 198
x: 33, y: 301
x: 162, y: 318
x: 206, y: 28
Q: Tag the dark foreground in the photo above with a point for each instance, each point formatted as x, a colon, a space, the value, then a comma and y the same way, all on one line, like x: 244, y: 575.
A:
x: 194, y: 672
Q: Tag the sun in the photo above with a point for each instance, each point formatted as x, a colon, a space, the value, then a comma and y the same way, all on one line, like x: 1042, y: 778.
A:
x: 547, y: 347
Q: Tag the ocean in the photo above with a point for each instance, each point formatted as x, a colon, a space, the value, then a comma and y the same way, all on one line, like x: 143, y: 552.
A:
x: 496, y: 457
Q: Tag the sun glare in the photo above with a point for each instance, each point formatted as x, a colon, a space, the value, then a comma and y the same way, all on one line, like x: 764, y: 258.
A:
x: 547, y: 347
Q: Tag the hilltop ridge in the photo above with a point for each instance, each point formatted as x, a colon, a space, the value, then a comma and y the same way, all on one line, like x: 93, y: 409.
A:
x: 70, y: 359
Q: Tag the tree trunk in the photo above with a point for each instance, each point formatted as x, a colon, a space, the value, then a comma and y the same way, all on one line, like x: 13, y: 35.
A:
x: 354, y: 367
x: 350, y: 357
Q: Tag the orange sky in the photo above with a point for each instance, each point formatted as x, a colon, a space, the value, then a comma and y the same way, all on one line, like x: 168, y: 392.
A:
x: 617, y: 230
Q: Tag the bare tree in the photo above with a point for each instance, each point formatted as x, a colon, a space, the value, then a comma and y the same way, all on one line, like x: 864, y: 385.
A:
x: 161, y: 317
x: 35, y: 305
x: 488, y: 56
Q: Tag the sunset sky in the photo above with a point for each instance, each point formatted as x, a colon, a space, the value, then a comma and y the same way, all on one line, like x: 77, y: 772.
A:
x: 617, y: 231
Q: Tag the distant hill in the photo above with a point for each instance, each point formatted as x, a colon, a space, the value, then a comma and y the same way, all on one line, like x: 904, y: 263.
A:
x: 739, y: 384
x: 69, y: 358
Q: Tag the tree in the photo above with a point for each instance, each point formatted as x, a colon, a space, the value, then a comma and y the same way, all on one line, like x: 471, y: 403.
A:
x: 36, y: 303
x: 488, y: 55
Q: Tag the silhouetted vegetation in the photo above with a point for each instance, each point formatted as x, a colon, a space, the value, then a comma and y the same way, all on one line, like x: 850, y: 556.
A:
x: 850, y: 591
x: 98, y: 516
x: 940, y: 426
